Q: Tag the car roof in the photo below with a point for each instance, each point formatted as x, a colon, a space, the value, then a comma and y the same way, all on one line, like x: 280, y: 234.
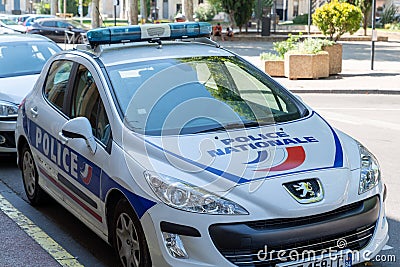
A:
x: 136, y: 52
x: 53, y: 19
x: 12, y: 38
x: 41, y: 15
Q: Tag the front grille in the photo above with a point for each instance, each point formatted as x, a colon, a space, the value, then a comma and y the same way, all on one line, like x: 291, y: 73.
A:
x: 9, y: 139
x: 290, y: 222
x: 354, y: 240
x: 269, y: 242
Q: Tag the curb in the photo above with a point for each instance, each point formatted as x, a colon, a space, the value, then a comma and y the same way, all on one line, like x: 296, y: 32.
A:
x: 346, y: 91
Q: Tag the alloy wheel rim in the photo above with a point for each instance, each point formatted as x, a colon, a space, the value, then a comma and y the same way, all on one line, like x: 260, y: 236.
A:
x: 28, y: 169
x: 127, y: 241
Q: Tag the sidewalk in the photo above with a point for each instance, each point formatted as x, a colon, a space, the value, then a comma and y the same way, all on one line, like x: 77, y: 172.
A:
x: 356, y: 76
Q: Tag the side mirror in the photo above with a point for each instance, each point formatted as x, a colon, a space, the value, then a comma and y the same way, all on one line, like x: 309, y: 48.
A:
x: 78, y: 128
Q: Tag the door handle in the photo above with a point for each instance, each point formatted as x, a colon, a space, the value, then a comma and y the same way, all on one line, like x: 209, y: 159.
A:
x: 63, y: 139
x: 34, y: 112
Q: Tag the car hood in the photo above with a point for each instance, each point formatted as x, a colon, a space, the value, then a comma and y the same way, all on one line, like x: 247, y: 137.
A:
x: 241, y: 156
x: 14, y: 89
x: 17, y: 28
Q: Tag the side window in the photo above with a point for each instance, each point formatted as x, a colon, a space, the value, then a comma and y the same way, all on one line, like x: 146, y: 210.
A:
x: 57, y: 81
x: 49, y: 24
x: 86, y: 102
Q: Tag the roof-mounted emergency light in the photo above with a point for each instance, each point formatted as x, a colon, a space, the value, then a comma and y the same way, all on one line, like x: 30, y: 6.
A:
x: 148, y: 32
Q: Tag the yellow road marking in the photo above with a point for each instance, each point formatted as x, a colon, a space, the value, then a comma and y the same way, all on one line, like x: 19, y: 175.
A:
x: 46, y: 242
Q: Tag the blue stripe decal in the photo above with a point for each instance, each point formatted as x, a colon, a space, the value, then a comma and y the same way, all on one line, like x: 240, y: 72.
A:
x: 262, y: 155
x: 77, y: 167
x: 338, y: 146
x: 140, y: 204
x: 338, y: 161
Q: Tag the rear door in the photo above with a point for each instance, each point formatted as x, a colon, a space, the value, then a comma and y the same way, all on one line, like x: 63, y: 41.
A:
x: 48, y: 29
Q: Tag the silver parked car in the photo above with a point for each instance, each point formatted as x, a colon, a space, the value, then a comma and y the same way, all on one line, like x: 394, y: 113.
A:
x: 21, y: 59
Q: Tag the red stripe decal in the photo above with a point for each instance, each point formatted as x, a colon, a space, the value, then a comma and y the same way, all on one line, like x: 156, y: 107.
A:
x: 296, y: 157
x: 72, y: 196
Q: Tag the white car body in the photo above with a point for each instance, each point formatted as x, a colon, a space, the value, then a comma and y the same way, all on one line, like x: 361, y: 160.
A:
x: 7, y: 25
x: 15, y: 86
x: 249, y: 166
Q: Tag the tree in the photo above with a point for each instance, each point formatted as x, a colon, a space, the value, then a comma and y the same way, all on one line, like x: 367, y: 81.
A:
x: 243, y: 15
x: 239, y: 11
x: 189, y: 10
x: 365, y: 6
x: 95, y: 14
x: 53, y: 7
x: 336, y: 18
x: 133, y: 12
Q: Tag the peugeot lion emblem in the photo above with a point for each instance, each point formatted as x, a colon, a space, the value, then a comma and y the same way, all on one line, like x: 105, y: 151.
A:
x: 305, y: 191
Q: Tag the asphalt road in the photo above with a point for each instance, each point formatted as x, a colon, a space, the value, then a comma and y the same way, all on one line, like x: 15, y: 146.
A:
x: 372, y: 119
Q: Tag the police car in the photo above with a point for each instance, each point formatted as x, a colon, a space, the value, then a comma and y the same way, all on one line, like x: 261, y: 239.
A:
x: 180, y: 153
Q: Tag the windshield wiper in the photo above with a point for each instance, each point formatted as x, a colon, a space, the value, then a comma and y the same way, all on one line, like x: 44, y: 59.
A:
x: 231, y: 126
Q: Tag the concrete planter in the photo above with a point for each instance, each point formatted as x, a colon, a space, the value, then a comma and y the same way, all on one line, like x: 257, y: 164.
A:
x: 335, y: 58
x: 306, y: 66
x: 275, y: 68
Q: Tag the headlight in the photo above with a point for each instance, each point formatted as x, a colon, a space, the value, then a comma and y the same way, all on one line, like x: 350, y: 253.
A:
x: 8, y: 109
x: 370, y: 173
x: 182, y: 195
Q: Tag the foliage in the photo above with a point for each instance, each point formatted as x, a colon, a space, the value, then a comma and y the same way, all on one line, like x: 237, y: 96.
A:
x: 389, y: 14
x: 293, y: 44
x: 336, y: 18
x: 42, y: 8
x: 284, y: 46
x: 72, y: 6
x: 261, y: 5
x: 239, y: 11
x: 205, y: 12
x: 270, y: 56
x: 312, y: 45
x: 394, y: 26
x: 243, y: 14
x: 365, y: 6
x: 301, y: 19
x: 216, y: 4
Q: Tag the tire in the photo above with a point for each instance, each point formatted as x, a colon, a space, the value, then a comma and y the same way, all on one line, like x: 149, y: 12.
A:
x: 129, y: 241
x: 79, y: 39
x: 30, y: 177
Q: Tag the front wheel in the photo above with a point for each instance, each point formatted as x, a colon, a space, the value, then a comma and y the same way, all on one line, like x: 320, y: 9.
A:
x: 34, y: 192
x: 128, y: 237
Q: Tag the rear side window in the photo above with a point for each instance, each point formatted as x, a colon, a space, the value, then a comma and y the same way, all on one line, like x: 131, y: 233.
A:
x: 56, y: 83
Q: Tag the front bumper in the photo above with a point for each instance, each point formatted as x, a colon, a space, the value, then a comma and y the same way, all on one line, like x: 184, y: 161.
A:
x: 362, y: 226
x: 7, y: 136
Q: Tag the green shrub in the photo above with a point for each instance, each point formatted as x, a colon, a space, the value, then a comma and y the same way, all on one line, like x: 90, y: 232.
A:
x: 395, y: 26
x: 205, y: 12
x: 389, y: 14
x: 309, y: 46
x: 293, y: 44
x: 301, y: 19
x: 336, y: 18
x: 282, y: 47
x: 270, y: 56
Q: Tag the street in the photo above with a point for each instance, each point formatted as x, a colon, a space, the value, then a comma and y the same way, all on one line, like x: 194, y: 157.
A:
x: 372, y: 119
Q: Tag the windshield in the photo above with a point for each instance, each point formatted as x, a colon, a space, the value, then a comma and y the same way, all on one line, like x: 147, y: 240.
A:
x: 8, y: 22
x: 24, y: 58
x: 193, y: 95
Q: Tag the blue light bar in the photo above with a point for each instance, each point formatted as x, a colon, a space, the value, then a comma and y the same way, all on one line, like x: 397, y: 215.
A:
x: 148, y: 32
